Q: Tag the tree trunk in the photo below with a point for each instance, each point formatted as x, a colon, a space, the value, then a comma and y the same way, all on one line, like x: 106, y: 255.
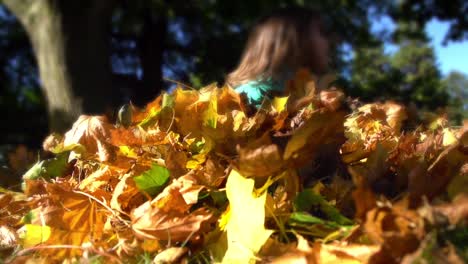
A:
x: 71, y: 45
x: 151, y: 49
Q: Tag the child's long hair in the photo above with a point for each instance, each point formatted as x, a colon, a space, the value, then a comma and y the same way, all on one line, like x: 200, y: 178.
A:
x: 275, y: 44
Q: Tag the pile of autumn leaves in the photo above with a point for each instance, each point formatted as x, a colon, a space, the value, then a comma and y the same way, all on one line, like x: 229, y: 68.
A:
x: 200, y: 176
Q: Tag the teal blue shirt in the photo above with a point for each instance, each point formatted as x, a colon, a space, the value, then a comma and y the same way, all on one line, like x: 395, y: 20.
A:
x: 259, y: 90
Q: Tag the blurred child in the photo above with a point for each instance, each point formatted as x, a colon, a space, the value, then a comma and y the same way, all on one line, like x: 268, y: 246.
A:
x: 279, y: 45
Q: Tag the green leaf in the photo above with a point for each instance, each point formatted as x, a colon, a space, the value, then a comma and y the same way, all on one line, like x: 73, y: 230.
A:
x: 167, y: 100
x: 153, y: 180
x: 35, y: 171
x: 49, y: 168
x: 308, y: 200
x: 219, y: 197
x: 150, y: 117
x: 308, y: 224
x: 306, y: 218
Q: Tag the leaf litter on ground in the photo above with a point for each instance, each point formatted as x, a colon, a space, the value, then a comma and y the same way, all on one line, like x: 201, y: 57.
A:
x: 200, y: 176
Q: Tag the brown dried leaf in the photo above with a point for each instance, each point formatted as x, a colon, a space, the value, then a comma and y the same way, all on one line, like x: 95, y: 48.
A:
x: 456, y: 211
x: 322, y: 128
x: 397, y: 229
x: 8, y: 238
x: 73, y: 217
x: 126, y: 195
x: 12, y: 211
x: 93, y: 132
x: 135, y: 136
x: 432, y: 180
x: 167, y: 216
x: 149, y: 222
x: 176, y: 162
x: 260, y: 158
x: 332, y: 99
x: 363, y: 196
x: 343, y: 253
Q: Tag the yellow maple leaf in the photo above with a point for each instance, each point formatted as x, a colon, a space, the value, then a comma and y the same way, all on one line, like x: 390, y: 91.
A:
x: 246, y: 232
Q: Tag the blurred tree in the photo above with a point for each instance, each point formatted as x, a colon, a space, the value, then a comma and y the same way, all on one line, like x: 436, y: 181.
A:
x: 410, y: 75
x: 97, y: 54
x: 457, y: 87
x: 373, y: 75
x: 71, y: 47
x: 421, y: 83
x: 420, y: 12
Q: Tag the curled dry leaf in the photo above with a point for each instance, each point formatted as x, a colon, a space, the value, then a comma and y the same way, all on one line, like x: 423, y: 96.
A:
x: 151, y: 223
x: 260, y: 158
x: 457, y: 211
x: 332, y: 99
x: 321, y: 128
x: 167, y: 216
x: 397, y: 229
x: 8, y: 238
x: 126, y: 195
x: 364, y: 198
x: 396, y: 114
x: 12, y: 211
x: 371, y: 125
x: 92, y: 132
x: 343, y: 253
x: 431, y: 180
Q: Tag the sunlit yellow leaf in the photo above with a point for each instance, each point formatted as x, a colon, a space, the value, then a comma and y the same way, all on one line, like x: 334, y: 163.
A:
x: 224, y: 219
x: 279, y: 103
x: 196, y: 161
x: 32, y: 235
x: 448, y: 137
x: 246, y: 232
x: 239, y: 119
x: 128, y: 152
